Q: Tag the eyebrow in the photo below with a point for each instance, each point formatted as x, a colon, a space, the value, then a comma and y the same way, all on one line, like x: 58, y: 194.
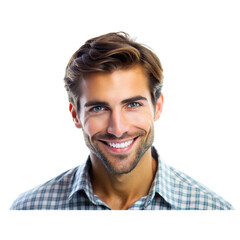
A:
x: 95, y: 103
x: 101, y: 103
x: 133, y: 99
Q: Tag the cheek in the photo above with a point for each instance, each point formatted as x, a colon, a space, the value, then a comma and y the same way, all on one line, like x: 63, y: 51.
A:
x: 143, y: 120
x: 93, y: 125
x: 145, y: 124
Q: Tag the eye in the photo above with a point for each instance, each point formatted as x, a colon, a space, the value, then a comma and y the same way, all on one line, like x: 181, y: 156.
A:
x: 134, y: 105
x: 97, y: 109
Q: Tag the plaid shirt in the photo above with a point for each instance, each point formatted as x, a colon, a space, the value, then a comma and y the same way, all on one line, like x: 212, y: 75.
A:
x: 72, y: 190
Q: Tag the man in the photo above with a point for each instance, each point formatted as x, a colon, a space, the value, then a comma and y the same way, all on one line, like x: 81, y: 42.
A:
x: 114, y: 87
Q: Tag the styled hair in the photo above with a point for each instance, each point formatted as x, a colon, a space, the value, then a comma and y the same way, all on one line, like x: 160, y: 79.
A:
x: 107, y: 53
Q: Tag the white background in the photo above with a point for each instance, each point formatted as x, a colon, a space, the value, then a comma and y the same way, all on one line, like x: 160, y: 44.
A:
x: 198, y: 45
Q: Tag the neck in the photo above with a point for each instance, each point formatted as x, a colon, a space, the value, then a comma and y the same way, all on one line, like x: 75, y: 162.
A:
x: 120, y: 191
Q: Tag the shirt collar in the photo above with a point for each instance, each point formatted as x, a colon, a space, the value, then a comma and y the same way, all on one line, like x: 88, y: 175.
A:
x: 82, y: 181
x: 162, y: 184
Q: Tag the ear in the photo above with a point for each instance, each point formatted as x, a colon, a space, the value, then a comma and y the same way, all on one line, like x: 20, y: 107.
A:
x: 159, y: 106
x: 74, y: 116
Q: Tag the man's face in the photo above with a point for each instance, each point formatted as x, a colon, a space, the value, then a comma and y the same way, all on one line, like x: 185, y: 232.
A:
x: 117, y: 118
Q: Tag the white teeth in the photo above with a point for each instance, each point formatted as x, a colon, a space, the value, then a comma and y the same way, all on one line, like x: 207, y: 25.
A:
x: 119, y: 145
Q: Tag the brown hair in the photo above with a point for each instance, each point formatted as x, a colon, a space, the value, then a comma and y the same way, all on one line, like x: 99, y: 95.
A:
x: 108, y: 53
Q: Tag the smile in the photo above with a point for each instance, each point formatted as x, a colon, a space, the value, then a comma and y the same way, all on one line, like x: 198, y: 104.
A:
x: 119, y: 147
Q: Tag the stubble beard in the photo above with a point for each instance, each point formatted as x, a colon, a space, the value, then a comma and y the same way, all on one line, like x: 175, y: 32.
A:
x: 145, y: 142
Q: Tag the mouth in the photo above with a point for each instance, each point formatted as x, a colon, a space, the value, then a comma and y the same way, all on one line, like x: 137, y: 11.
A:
x: 119, y: 146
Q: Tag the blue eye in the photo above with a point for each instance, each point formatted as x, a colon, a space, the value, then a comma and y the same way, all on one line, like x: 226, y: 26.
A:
x: 97, y: 109
x: 133, y: 104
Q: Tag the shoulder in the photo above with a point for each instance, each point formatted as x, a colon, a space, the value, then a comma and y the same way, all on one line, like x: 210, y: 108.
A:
x: 48, y: 195
x: 189, y: 194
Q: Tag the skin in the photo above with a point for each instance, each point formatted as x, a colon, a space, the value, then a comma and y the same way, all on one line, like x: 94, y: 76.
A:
x: 116, y: 108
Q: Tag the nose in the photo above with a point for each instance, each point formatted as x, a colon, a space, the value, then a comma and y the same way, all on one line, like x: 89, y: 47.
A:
x: 118, y: 124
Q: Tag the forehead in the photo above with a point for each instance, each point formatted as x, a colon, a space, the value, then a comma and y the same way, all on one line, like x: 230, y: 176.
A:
x: 119, y: 85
